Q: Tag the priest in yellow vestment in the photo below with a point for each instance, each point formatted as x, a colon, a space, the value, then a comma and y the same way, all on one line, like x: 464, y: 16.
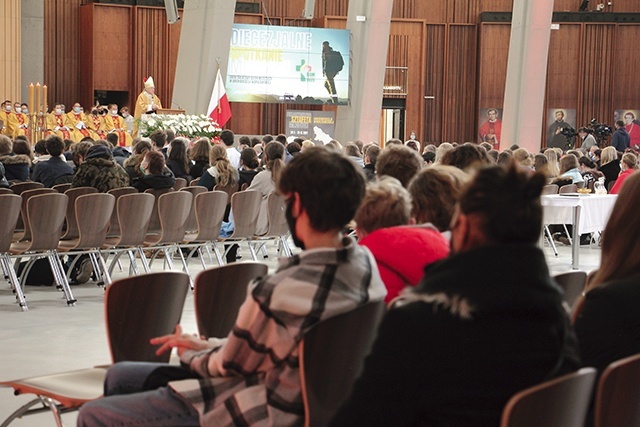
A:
x: 147, y: 102
x: 114, y: 123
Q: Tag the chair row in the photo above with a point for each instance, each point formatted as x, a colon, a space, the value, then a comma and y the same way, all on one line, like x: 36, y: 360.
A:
x: 565, y: 401
x: 98, y: 225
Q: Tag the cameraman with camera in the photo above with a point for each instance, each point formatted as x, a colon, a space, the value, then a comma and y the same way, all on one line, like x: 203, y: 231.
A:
x: 587, y: 139
x: 621, y: 138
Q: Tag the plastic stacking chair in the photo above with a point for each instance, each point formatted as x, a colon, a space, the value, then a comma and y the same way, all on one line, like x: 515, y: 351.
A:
x: 93, y: 213
x: 23, y: 230
x: 569, y: 188
x: 549, y: 189
x: 561, y: 402
x: 209, y: 212
x: 278, y: 229
x: 618, y: 394
x: 71, y: 221
x: 6, y: 191
x: 572, y: 283
x: 219, y: 292
x: 61, y: 188
x: 173, y: 211
x: 327, y: 377
x: 114, y: 227
x: 154, y: 223
x: 20, y: 187
x: 245, y: 207
x: 10, y: 208
x: 46, y: 215
x: 136, y: 310
x: 192, y: 224
x: 180, y: 183
x: 134, y: 211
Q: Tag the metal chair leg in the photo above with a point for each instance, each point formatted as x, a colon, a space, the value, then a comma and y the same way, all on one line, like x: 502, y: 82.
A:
x: 15, y: 283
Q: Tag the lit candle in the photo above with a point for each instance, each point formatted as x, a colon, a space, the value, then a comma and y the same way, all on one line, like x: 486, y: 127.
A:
x: 44, y: 99
x: 31, y: 96
x: 37, y: 106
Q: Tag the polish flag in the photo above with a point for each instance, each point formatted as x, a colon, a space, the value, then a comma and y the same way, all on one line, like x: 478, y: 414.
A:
x: 219, y: 108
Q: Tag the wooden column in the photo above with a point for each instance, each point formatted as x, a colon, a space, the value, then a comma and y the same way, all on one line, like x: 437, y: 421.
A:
x: 10, y: 55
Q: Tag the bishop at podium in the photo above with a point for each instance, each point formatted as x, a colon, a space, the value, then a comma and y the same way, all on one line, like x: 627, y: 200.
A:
x: 146, y: 103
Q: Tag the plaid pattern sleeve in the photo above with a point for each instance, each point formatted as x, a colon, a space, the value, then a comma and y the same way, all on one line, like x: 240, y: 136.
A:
x: 253, y: 379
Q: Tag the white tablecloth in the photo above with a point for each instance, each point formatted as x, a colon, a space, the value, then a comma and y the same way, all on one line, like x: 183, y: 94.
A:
x: 594, y: 213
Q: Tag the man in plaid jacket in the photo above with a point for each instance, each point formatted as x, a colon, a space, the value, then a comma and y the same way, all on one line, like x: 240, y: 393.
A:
x: 252, y: 377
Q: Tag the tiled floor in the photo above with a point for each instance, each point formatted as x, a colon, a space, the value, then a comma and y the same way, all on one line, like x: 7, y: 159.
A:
x: 52, y: 337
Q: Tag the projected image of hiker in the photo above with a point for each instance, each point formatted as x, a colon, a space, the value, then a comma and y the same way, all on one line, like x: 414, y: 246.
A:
x: 332, y: 64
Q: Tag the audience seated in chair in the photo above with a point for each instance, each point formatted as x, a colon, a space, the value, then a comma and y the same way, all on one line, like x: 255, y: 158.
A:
x: 400, y: 162
x: 56, y: 167
x: 266, y: 181
x: 607, y: 322
x: 16, y: 166
x: 401, y: 250
x: 100, y: 170
x: 155, y: 173
x: 434, y: 194
x: 482, y: 325
x: 220, y: 171
x: 253, y: 374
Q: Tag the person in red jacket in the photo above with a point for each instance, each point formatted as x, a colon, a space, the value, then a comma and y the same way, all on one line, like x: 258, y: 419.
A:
x: 628, y: 165
x: 401, y: 249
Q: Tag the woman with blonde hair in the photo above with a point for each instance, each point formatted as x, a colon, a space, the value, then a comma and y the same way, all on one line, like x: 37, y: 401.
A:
x: 266, y: 182
x: 523, y: 158
x: 609, y: 165
x: 629, y: 165
x: 220, y: 170
x: 607, y: 322
x: 552, y: 157
x: 569, y: 168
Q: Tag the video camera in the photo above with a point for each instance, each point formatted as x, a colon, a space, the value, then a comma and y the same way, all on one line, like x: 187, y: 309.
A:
x: 601, y: 131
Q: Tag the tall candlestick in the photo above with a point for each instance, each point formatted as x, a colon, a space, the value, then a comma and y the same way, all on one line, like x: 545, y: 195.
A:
x: 31, y: 96
x: 44, y: 99
x: 37, y: 106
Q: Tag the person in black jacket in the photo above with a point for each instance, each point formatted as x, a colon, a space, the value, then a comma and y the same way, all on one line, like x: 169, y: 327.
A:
x: 156, y: 175
x: 607, y: 321
x: 621, y: 139
x: 482, y: 325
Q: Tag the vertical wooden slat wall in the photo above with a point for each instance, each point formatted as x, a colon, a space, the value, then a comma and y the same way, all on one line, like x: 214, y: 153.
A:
x: 10, y: 82
x: 451, y: 56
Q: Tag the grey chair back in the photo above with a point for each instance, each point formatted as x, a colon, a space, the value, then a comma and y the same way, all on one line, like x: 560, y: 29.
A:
x: 218, y: 294
x: 561, y: 402
x: 618, y: 394
x: 572, y: 283
x: 327, y: 377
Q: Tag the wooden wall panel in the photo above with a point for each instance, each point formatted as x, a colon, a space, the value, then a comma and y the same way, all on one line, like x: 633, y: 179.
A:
x: 565, y: 69
x: 153, y: 41
x: 86, y: 46
x: 10, y: 56
x: 460, y: 84
x: 599, y: 42
x: 112, y: 47
x: 61, y: 50
x: 331, y: 8
x: 434, y: 77
x: 492, y: 64
x: 624, y: 69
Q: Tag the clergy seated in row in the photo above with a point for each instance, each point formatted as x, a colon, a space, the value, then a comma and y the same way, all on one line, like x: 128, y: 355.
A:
x: 59, y: 124
x: 82, y: 126
x: 96, y: 117
x: 114, y: 123
x: 14, y: 122
x: 18, y: 121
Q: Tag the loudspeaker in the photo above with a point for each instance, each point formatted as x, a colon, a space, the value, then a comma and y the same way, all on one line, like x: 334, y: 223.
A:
x: 495, y: 17
x: 246, y: 7
x: 171, y: 6
x: 309, y: 8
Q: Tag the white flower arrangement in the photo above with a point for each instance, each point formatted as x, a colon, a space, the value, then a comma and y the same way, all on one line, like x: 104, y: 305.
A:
x: 185, y: 125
